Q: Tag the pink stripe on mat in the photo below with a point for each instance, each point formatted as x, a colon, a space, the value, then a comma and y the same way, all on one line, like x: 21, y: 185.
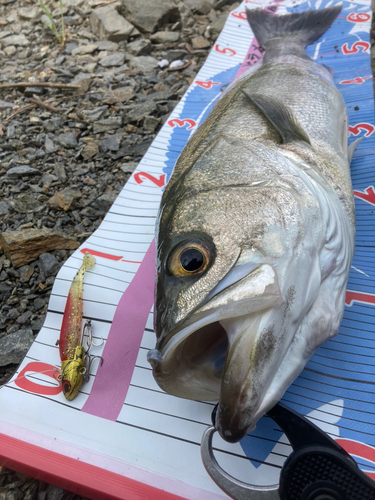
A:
x: 120, y: 353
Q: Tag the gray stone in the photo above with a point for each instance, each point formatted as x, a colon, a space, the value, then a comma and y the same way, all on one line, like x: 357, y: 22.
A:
x: 70, y: 47
x: 6, y: 105
x: 14, y: 347
x: 104, y: 202
x: 11, y: 131
x: 140, y: 47
x: 4, y: 209
x: 150, y: 123
x: 73, y: 3
x: 174, y: 55
x: 5, y: 291
x: 119, y: 95
x: 140, y: 111
x: 21, y: 170
x: 129, y: 167
x: 107, y: 45
x: 39, y: 303
x: 111, y: 142
x: 29, y: 13
x: 149, y: 15
x: 108, y: 24
x: 165, y: 37
x: 24, y: 317
x: 60, y: 172
x: 50, y: 264
x: 198, y: 6
x: 143, y: 64
x: 107, y: 124
x: 68, y: 140
x: 25, y: 203
x: 25, y: 273
x: 49, y: 145
x: 17, y: 40
x: 85, y: 49
x: 10, y: 51
x: 82, y: 79
x: 218, y: 25
x: 116, y: 59
x: 93, y: 115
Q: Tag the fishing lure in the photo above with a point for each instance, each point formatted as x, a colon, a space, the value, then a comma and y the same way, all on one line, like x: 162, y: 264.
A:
x: 75, y: 359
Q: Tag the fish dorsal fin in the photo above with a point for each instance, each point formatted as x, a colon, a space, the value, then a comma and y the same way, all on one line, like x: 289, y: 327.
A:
x: 281, y: 118
x: 352, y: 147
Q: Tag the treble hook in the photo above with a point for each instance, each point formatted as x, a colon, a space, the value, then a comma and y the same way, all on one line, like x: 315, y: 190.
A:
x: 87, y: 326
x: 88, y: 364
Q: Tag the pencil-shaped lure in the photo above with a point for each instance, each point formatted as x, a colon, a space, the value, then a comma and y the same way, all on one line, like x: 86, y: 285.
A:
x: 72, y: 353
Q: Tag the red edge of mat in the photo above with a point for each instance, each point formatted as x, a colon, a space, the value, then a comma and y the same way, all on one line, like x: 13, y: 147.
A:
x: 74, y: 475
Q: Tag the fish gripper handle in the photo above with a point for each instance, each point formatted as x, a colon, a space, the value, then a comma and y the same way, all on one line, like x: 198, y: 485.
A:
x: 320, y: 473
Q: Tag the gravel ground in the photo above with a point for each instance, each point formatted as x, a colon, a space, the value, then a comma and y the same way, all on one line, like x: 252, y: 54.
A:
x: 66, y: 152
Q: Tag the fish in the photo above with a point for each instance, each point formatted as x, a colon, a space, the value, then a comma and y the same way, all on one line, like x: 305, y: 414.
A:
x: 255, y: 231
x: 73, y: 355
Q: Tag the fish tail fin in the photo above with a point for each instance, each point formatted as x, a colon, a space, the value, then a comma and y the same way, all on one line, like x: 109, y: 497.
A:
x: 306, y: 26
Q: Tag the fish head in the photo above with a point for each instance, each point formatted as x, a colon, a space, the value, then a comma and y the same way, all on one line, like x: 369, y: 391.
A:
x: 73, y: 371
x: 229, y: 269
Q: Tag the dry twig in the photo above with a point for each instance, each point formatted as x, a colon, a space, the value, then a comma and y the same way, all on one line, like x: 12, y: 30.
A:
x: 19, y: 111
x: 44, y: 105
x: 39, y: 84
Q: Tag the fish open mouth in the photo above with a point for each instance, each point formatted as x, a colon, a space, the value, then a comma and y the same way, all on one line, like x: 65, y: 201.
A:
x: 192, y: 363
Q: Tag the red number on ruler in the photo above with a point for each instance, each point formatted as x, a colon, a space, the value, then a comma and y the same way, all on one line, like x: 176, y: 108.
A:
x: 368, y: 195
x: 239, y: 15
x: 38, y: 368
x: 359, y: 79
x: 364, y: 45
x: 361, y: 297
x: 158, y: 182
x: 226, y: 50
x: 207, y: 85
x: 180, y: 123
x: 362, y: 126
x: 361, y: 17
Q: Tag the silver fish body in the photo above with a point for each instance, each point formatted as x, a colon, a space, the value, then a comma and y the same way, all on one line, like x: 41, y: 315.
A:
x: 255, y: 233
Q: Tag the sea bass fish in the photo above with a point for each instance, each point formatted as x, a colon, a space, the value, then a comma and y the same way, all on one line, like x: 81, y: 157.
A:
x: 255, y: 233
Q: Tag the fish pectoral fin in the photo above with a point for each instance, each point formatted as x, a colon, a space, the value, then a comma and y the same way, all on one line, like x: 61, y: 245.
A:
x: 352, y: 147
x: 281, y: 118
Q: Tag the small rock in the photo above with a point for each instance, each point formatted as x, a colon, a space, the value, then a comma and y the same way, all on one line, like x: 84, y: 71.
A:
x: 50, y: 264
x: 68, y: 140
x: 111, y: 142
x: 49, y: 145
x: 140, y: 47
x: 5, y: 291
x: 198, y: 6
x: 4, y: 209
x: 165, y: 37
x: 6, y: 105
x: 14, y: 347
x: 60, y: 172
x: 38, y: 302
x: 64, y: 199
x: 150, y: 123
x: 200, y: 42
x: 25, y: 273
x: 129, y: 167
x: 82, y: 79
x: 107, y: 45
x: 93, y: 115
x: 218, y: 25
x: 173, y: 55
x: 116, y: 59
x: 108, y: 24
x: 164, y: 63
x: 90, y: 150
x: 10, y: 51
x: 85, y: 49
x: 119, y: 95
x: 24, y: 317
x: 149, y: 15
x: 17, y: 40
x: 29, y: 13
x: 21, y: 170
x: 70, y: 47
x: 107, y: 124
x: 143, y: 64
x: 140, y: 111
x: 104, y: 202
x: 24, y: 203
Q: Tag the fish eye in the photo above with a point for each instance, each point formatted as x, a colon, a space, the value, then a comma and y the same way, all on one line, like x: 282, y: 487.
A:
x: 189, y: 259
x: 66, y: 386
